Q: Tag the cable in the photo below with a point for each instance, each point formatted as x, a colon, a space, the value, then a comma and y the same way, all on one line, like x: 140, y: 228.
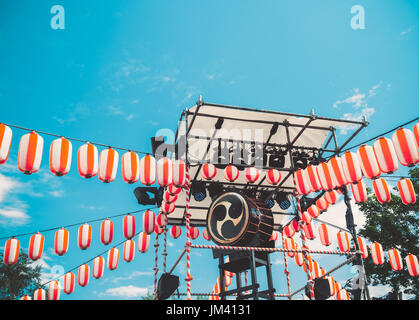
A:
x: 74, y: 139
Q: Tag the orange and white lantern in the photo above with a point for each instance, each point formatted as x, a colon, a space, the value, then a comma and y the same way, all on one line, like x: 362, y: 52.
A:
x: 206, y: 235
x: 60, y: 156
x: 336, y: 169
x: 84, y: 237
x: 98, y: 267
x: 343, y: 241
x: 69, y: 282
x: 315, y: 272
x: 128, y: 226
x: 54, y: 290
x: 274, y: 236
x: 251, y: 174
x: 343, y: 294
x: 273, y: 176
x: 11, y: 251
x: 324, y: 235
x: 395, y: 258
x: 314, y: 211
x: 83, y: 275
x: 164, y: 172
x: 362, y: 247
x: 288, y: 231
x: 381, y: 190
x: 406, y: 147
x: 407, y: 192
x: 148, y: 170
x: 322, y: 204
x: 359, y: 191
x: 231, y: 173
x: 386, y: 155
x: 325, y: 176
x: 39, y: 294
x: 108, y: 165
x: 412, y: 265
x: 158, y: 229
x: 113, y: 258
x: 193, y: 233
x: 179, y: 173
x: 377, y: 253
x: 175, y: 232
x: 351, y: 167
x: 289, y: 244
x: 331, y: 196
x: 130, y: 167
x: 30, y: 153
x: 368, y: 161
x: 26, y: 297
x: 299, y: 257
x: 301, y: 181
x: 87, y: 158
x: 5, y: 142
x: 308, y: 231
x: 61, y: 241
x: 129, y: 250
x: 148, y: 221
x: 208, y: 171
x: 306, y: 217
x: 296, y: 225
x: 143, y: 242
x: 173, y: 190
x: 106, y: 231
x: 36, y: 246
x: 161, y: 219
x: 313, y: 178
x: 168, y: 208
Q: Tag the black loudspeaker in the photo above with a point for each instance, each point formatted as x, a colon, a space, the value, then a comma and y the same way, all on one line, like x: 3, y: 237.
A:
x: 167, y: 285
x: 321, y: 289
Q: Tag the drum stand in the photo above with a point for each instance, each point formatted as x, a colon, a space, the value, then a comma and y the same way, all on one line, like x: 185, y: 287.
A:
x: 239, y: 262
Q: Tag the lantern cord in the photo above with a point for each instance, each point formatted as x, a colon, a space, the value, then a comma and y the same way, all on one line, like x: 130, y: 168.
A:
x: 382, y: 134
x: 76, y: 224
x: 156, y: 264
x: 287, y: 273
x: 164, y: 254
x: 74, y: 139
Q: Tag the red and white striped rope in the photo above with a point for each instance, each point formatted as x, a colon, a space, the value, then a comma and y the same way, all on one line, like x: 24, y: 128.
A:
x: 156, y: 269
x: 287, y: 273
x: 188, y: 278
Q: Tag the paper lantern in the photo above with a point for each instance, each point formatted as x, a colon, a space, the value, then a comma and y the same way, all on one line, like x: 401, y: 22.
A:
x: 87, y: 157
x: 129, y: 250
x: 175, y: 232
x: 128, y: 226
x: 69, y: 282
x: 288, y: 231
x: 130, y: 167
x: 289, y: 244
x: 351, y: 167
x: 331, y: 196
x: 148, y: 170
x: 179, y: 173
x: 377, y: 253
x: 5, y: 142
x: 299, y: 257
x: 161, y: 220
x: 26, y: 297
x: 322, y: 204
x: 336, y: 169
x: 168, y: 208
x: 193, y: 233
x: 359, y: 191
x: 60, y: 156
x: 343, y: 294
x: 416, y: 133
x: 98, y: 267
x: 412, y: 265
x: 395, y: 258
x: 173, y: 190
x: 273, y: 176
x: 301, y: 181
x: 148, y: 221
x: 164, y: 172
x: 274, y: 236
x: 308, y: 231
x: 381, y: 190
x: 206, y: 235
x: 315, y: 272
x: 113, y: 257
x: 308, y: 263
x: 61, y: 241
x: 231, y: 173
x: 83, y: 275
x: 143, y: 242
x: 368, y: 161
x: 407, y: 192
x: 295, y: 225
x: 11, y: 251
x: 168, y: 197
x: 314, y: 211
x: 325, y: 176
x: 30, y: 153
x: 313, y: 178
x: 36, y: 246
x: 84, y: 236
x: 39, y: 294
x: 343, y: 241
x: 106, y: 232
x: 208, y: 171
x: 158, y: 229
x: 362, y: 247
x: 54, y: 290
x: 406, y: 147
x: 251, y: 174
x: 306, y: 217
x: 385, y: 155
x: 108, y: 165
x: 324, y: 235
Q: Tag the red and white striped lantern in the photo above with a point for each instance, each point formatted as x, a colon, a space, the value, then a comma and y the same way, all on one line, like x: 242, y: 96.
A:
x: 273, y: 176
x: 36, y: 246
x: 98, y: 267
x: 168, y: 197
x: 377, y: 253
x: 5, y: 142
x: 143, y: 242
x: 359, y: 191
x: 61, y: 241
x: 322, y: 204
x: 206, y: 235
x: 128, y: 226
x: 386, y: 155
x: 362, y: 247
x: 60, y: 156
x: 164, y: 172
x: 108, y: 165
x: 106, y: 232
x: 158, y: 229
x: 30, y: 153
x: 313, y: 210
x: 84, y: 236
x: 351, y: 167
x: 407, y: 192
x: 69, y: 282
x: 331, y: 196
x: 130, y: 167
x: 412, y: 265
x: 26, y: 297
x: 301, y: 181
x: 288, y: 231
x: 325, y: 176
x: 274, y: 236
x: 343, y: 294
x: 336, y: 169
x: 306, y: 217
x: 193, y: 233
x: 113, y: 258
x: 295, y: 225
x: 148, y: 170
x: 313, y: 178
x: 381, y: 190
x: 168, y: 208
x: 83, y: 275
x: 289, y: 244
x: 406, y: 147
x: 161, y: 220
x: 343, y: 241
x: 179, y: 173
x: 324, y: 235
x: 368, y: 161
x: 315, y: 272
x: 11, y: 251
x: 416, y: 133
x: 309, y: 231
x: 129, y: 250
x: 395, y: 258
x: 309, y: 263
x: 54, y: 290
x: 231, y: 173
x: 175, y: 232
x: 208, y: 171
x: 251, y: 174
x: 39, y: 294
x: 87, y: 159
x: 299, y: 257
x: 173, y: 190
x: 148, y: 221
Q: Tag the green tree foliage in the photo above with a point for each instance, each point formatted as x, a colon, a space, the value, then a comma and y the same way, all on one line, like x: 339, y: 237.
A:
x: 19, y: 279
x: 393, y: 225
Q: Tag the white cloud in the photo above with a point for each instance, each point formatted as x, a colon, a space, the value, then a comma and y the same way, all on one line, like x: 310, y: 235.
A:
x: 17, y: 216
x: 133, y: 275
x: 116, y: 111
x: 126, y: 292
x: 410, y: 29
x: 7, y: 185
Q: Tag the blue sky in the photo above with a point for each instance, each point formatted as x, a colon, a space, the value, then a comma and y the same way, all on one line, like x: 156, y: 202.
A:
x: 121, y: 70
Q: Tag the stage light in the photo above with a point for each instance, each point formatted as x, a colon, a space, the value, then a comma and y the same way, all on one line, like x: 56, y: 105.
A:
x: 282, y: 200
x: 147, y: 195
x: 215, y: 189
x: 299, y: 159
x: 198, y: 190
